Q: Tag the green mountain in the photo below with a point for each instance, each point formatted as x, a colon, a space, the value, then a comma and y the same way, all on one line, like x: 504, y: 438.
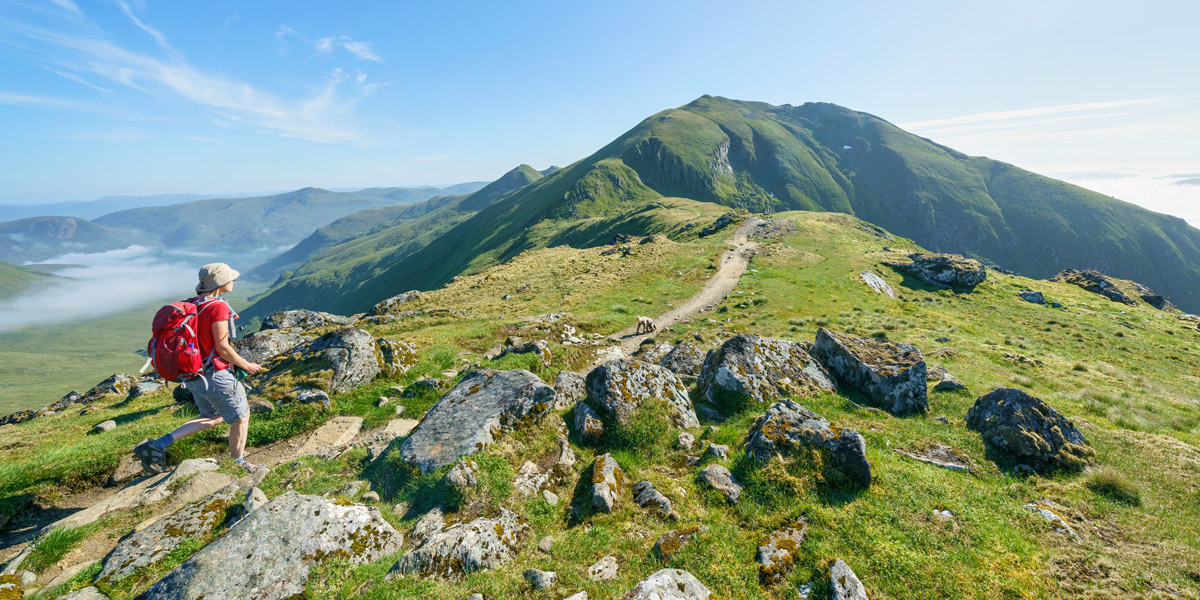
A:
x: 39, y: 238
x: 341, y: 257
x: 15, y: 279
x: 818, y: 157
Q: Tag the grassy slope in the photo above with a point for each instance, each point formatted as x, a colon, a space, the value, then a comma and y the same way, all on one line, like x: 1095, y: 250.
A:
x: 15, y: 279
x: 1132, y: 391
x: 38, y: 238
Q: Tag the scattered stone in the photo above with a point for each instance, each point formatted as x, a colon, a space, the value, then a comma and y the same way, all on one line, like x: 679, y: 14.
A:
x: 484, y: 406
x: 371, y: 497
x: 949, y: 384
x: 142, y: 388
x: 1032, y: 296
x: 942, y: 419
x: 685, y: 440
x: 604, y: 569
x: 255, y: 499
x: 777, y: 552
x: 1022, y: 359
x: 28, y: 578
x: 787, y: 428
x: 685, y: 360
x: 262, y: 346
x: 262, y: 406
x: 877, y: 283
x: 620, y: 386
x: 530, y: 479
x: 749, y: 368
x: 382, y: 401
x: 607, y: 481
x: 891, y: 374
x: 670, y: 543
x: 284, y: 548
x: 391, y: 304
x: 546, y: 544
x: 565, y: 463
x: 588, y: 425
x: 90, y: 592
x: 946, y: 270
x: 395, y: 357
x: 942, y: 339
x: 476, y: 596
x: 1028, y: 430
x: 550, y: 497
x: 462, y: 475
x: 646, y: 496
x: 1053, y: 512
x: 105, y: 426
x: 311, y: 396
x: 399, y: 409
x: 938, y: 455
x: 1095, y: 282
x: 720, y: 479
x: 651, y: 352
x: 351, y: 489
x: 668, y: 584
x: 541, y: 580
x: 453, y: 550
x: 943, y: 515
x: 719, y: 451
x: 845, y: 583
x: 569, y: 388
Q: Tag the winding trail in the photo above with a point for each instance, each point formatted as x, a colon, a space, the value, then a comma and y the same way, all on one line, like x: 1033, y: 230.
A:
x: 733, y: 264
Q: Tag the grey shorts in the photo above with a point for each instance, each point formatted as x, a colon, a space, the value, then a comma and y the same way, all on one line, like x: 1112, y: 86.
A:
x: 219, y: 393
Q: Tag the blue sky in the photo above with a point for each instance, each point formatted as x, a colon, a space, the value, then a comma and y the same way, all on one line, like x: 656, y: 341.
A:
x: 143, y: 97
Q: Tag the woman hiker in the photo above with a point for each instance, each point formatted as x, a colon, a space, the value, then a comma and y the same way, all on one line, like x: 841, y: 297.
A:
x: 218, y: 393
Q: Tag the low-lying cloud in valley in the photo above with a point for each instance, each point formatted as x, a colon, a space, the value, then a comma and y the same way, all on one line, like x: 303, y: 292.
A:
x: 103, y: 283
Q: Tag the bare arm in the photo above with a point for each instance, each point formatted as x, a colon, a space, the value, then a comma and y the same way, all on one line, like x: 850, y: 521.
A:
x: 220, y: 331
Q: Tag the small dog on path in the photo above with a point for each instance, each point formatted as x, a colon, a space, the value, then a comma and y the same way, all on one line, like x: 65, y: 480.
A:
x: 646, y: 325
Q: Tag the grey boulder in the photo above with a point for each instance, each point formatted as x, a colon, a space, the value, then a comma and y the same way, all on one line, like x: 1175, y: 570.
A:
x: 621, y: 386
x: 753, y: 369
x: 877, y: 283
x: 588, y: 425
x: 684, y: 359
x: 569, y: 388
x: 1028, y: 431
x: 950, y: 270
x: 1032, y: 296
x: 336, y: 362
x: 669, y: 584
x: 264, y: 345
x: 484, y: 406
x: 891, y: 374
x: 844, y: 583
x: 391, y: 304
x: 720, y: 479
x: 787, y: 428
x: 647, y: 496
x: 607, y: 481
x: 461, y: 548
x: 303, y: 319
x: 777, y: 552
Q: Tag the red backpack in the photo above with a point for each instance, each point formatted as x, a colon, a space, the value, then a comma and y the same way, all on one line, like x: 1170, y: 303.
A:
x: 174, y: 350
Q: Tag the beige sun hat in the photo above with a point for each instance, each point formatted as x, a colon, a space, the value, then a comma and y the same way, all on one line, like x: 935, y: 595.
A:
x: 215, y: 275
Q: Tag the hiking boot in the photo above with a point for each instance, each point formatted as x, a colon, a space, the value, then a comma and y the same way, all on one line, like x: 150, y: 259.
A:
x: 151, y: 457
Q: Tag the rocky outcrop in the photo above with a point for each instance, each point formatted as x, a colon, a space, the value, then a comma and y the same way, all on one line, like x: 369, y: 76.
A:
x: 753, y: 369
x: 788, y: 428
x: 395, y: 357
x: 607, y: 481
x: 684, y: 359
x: 1028, y: 431
x: 603, y: 569
x: 284, y: 549
x: 1032, y: 296
x: 946, y: 270
x: 1095, y: 282
x: 621, y: 386
x: 484, y: 406
x: 336, y: 362
x: 569, y: 388
x: 844, y: 583
x: 646, y: 496
x: 719, y: 478
x: 668, y: 584
x: 588, y: 425
x: 303, y: 319
x: 264, y: 345
x: 892, y: 375
x: 117, y: 384
x: 391, y: 304
x: 877, y: 283
x: 777, y: 551
x: 453, y: 550
x: 515, y: 345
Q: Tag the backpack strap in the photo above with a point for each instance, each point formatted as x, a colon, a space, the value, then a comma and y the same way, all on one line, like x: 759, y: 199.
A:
x: 202, y: 304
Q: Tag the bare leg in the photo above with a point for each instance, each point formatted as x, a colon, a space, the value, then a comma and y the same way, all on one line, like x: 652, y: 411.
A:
x: 237, y: 437
x: 195, y: 426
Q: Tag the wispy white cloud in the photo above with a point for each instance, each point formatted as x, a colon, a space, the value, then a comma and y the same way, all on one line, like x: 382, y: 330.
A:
x: 79, y: 80
x: 285, y: 31
x: 70, y: 6
x: 14, y: 99
x: 1009, y: 115
x: 154, y: 33
x: 324, y: 45
x: 362, y: 50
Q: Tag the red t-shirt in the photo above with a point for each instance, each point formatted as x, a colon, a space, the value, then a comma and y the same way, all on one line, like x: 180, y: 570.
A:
x: 211, y: 311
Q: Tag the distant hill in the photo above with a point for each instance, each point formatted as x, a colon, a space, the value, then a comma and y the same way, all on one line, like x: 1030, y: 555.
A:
x: 38, y: 238
x: 15, y: 279
x: 94, y: 208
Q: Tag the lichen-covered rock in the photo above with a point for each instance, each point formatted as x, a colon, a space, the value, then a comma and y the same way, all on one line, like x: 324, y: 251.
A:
x: 753, y: 369
x: 720, y: 479
x: 877, y: 283
x: 1095, y: 282
x: 1029, y: 431
x: 484, y: 406
x: 939, y: 455
x: 336, y: 362
x: 892, y: 375
x: 646, y: 496
x: 565, y: 463
x: 684, y: 359
x: 607, y: 481
x: 282, y: 548
x: 788, y: 428
x: 1032, y: 296
x: 264, y: 345
x: 117, y: 384
x: 569, y: 388
x: 946, y: 269
x: 671, y: 542
x: 588, y: 425
x: 685, y: 441
x: 395, y: 357
x: 453, y: 550
x: 668, y: 584
x: 541, y: 580
x: 777, y: 551
x: 530, y: 479
x: 1053, y: 512
x: 620, y: 387
x: 603, y: 569
x: 652, y: 352
x: 151, y: 545
x: 303, y: 319
x: 90, y: 592
x: 845, y: 583
x: 391, y: 304
x: 948, y: 383
x: 462, y: 475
